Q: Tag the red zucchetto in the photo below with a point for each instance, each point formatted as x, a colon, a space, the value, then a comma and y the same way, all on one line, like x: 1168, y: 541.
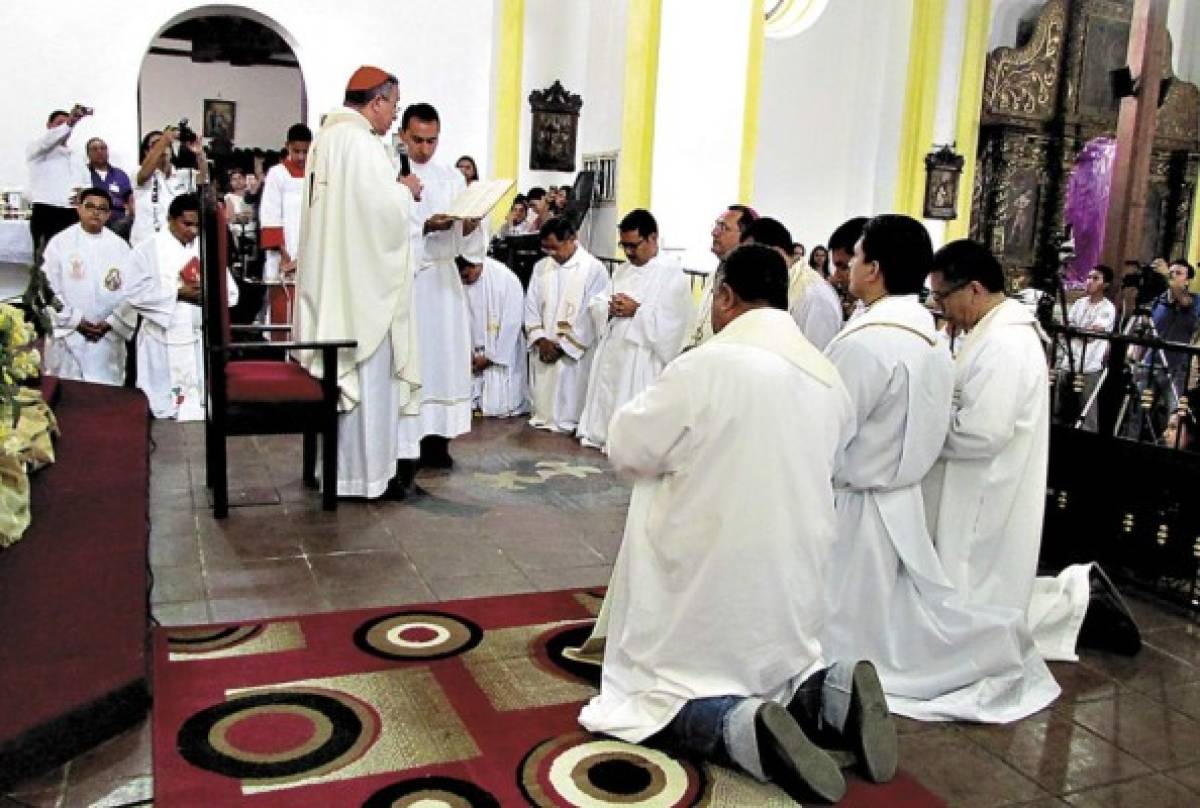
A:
x: 366, y: 77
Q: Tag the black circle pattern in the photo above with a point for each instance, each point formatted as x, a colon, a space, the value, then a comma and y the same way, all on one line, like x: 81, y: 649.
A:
x: 431, y: 788
x: 572, y: 637
x: 474, y: 635
x: 196, y: 746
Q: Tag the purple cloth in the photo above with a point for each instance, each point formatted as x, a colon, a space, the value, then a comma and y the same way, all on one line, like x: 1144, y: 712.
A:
x: 116, y: 182
x: 1087, y: 206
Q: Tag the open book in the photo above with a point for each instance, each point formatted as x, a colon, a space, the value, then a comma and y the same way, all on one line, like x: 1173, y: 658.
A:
x: 478, y: 199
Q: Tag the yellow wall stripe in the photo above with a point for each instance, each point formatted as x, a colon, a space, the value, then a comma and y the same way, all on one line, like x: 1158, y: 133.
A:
x: 1194, y: 233
x: 641, y: 89
x: 754, y: 70
x: 920, y: 103
x: 506, y: 137
x: 970, y: 102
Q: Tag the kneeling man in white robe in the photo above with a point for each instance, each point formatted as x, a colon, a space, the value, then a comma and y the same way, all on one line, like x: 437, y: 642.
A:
x: 811, y: 301
x: 985, y: 497
x: 642, y: 324
x: 939, y: 657
x: 496, y: 304
x: 165, y: 273
x: 716, y: 603
x: 84, y: 265
x: 559, y: 330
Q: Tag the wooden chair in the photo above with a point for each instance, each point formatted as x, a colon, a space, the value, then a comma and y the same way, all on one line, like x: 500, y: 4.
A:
x: 261, y: 396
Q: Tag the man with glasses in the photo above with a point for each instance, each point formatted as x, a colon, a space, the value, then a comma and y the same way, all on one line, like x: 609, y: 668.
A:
x: 357, y: 281
x: 113, y: 180
x: 83, y: 265
x: 985, y: 497
x: 641, y: 324
x: 727, y: 233
x: 559, y: 329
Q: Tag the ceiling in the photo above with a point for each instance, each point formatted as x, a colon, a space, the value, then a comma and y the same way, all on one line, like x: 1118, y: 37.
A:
x: 239, y: 41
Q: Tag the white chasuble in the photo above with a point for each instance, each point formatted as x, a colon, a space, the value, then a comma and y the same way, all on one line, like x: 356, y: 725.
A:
x: 355, y: 282
x: 87, y: 273
x: 814, y: 304
x: 985, y: 497
x: 170, y: 349
x: 939, y: 656
x: 556, y: 309
x: 441, y: 306
x: 718, y: 588
x: 633, y: 351
x: 497, y: 305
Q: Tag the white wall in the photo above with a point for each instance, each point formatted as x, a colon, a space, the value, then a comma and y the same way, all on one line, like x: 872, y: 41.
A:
x: 441, y: 52
x: 600, y: 129
x: 699, y: 120
x: 267, y: 97
x: 829, y: 124
x: 556, y: 48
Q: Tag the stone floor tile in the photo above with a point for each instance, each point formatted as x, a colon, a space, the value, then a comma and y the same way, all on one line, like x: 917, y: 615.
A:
x: 1186, y: 699
x: 571, y: 578
x: 1154, y: 791
x: 174, y: 550
x: 282, y: 577
x: 1057, y: 753
x: 182, y: 614
x: 1188, y: 776
x: 1081, y: 683
x: 1151, y: 672
x: 1147, y: 729
x: 45, y: 789
x: 238, y: 609
x: 1152, y: 615
x: 400, y: 592
x: 962, y: 773
x: 478, y: 586
x: 321, y: 540
x: 176, y: 584
x: 361, y: 569
x: 124, y: 757
x: 1181, y: 642
x: 536, y: 552
x: 238, y: 546
x: 447, y: 556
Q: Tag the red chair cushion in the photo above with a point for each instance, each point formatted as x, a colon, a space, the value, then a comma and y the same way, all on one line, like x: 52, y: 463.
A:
x: 270, y: 382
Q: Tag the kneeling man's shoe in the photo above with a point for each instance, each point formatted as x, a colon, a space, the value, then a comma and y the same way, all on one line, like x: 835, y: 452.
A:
x: 870, y: 729
x: 791, y: 760
x: 1108, y: 623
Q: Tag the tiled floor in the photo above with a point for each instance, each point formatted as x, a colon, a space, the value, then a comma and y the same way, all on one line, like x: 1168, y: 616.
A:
x: 526, y: 511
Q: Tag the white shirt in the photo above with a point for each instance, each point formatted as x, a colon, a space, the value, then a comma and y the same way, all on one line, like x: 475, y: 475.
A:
x: 153, y: 200
x: 53, y: 171
x: 1090, y: 316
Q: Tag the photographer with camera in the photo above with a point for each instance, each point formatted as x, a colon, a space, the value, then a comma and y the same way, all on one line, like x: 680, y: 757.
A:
x: 163, y: 176
x: 54, y: 177
x: 1175, y: 313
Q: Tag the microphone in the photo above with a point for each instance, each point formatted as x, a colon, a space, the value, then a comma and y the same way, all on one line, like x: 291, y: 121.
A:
x: 402, y: 153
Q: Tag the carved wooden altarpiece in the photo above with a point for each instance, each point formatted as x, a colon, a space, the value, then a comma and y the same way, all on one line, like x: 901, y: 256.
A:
x: 1042, y: 102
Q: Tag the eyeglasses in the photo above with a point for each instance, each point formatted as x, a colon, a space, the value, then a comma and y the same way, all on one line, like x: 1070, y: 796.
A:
x: 101, y: 208
x: 630, y: 246
x: 938, y: 297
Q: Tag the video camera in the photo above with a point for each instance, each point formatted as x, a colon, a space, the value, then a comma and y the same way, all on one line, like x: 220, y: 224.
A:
x: 187, y: 136
x: 1147, y: 281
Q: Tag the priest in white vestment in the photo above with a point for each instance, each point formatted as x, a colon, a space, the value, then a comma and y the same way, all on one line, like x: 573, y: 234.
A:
x: 985, y: 497
x: 716, y: 604
x: 641, y: 322
x: 726, y: 234
x: 164, y: 274
x: 496, y: 303
x: 811, y: 301
x: 84, y: 265
x: 559, y: 329
x: 939, y: 656
x: 356, y: 283
x: 442, y: 319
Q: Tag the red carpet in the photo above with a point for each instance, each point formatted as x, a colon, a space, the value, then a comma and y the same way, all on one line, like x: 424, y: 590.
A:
x: 457, y: 704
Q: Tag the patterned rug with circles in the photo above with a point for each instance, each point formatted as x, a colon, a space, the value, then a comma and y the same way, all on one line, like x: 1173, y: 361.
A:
x: 469, y: 703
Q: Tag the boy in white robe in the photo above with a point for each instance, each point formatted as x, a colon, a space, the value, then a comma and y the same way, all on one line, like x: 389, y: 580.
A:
x: 716, y: 602
x: 84, y: 266
x: 280, y: 210
x: 938, y: 656
x: 559, y: 330
x: 984, y: 499
x: 440, y: 301
x: 642, y: 324
x: 356, y: 283
x: 166, y: 275
x: 813, y: 305
x: 496, y: 302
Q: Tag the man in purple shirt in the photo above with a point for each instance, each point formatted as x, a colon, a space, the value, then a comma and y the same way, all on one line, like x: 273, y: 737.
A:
x: 116, y: 182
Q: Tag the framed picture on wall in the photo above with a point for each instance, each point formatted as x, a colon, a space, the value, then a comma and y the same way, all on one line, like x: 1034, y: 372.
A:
x: 219, y: 118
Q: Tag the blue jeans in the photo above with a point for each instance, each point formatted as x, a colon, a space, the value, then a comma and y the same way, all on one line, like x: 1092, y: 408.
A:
x: 698, y: 730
